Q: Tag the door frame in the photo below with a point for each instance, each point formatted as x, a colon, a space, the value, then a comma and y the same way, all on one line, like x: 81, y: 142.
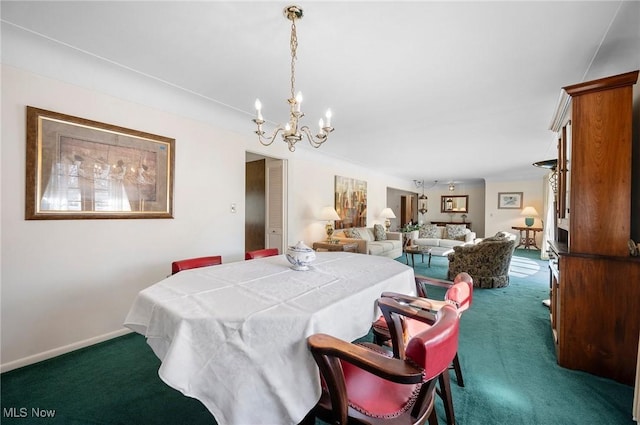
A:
x: 253, y: 156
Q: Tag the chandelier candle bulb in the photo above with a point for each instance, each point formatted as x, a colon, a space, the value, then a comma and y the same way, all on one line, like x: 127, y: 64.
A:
x: 298, y: 101
x: 328, y: 115
x: 258, y: 106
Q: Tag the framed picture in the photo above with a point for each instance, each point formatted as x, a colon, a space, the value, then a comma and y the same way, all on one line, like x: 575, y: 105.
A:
x: 351, y: 202
x: 510, y: 200
x: 82, y: 169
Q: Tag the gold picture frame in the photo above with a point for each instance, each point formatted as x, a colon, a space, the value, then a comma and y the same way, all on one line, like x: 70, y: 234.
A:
x: 82, y: 169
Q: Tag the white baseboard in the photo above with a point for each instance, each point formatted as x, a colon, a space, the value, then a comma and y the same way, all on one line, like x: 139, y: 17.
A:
x: 5, y: 367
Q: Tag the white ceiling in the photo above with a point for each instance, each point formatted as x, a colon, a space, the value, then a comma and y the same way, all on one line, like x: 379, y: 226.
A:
x: 449, y: 91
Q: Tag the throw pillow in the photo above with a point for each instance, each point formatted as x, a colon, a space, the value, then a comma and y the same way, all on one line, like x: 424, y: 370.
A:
x: 500, y: 236
x: 456, y: 231
x: 379, y: 233
x: 429, y: 231
x: 352, y: 233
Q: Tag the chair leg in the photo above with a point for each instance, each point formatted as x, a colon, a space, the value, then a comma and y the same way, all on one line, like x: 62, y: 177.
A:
x: 445, y: 395
x: 433, y: 417
x: 380, y: 339
x: 458, y: 371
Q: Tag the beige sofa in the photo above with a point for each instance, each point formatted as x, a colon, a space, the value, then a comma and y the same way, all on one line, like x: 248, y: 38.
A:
x: 442, y: 239
x: 367, y: 244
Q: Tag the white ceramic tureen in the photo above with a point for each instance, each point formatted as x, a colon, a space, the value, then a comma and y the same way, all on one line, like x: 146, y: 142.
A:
x: 300, y: 255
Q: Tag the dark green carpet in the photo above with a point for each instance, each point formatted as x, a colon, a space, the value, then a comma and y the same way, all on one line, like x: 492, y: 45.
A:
x: 508, y: 359
x: 115, y: 382
x: 506, y: 353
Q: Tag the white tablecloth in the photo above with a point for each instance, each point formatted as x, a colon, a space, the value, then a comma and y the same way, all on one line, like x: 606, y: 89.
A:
x: 234, y: 335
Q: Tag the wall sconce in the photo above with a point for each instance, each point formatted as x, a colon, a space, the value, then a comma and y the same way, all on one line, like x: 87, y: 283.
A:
x: 387, y: 214
x: 452, y: 187
x: 329, y: 213
x: 529, y: 213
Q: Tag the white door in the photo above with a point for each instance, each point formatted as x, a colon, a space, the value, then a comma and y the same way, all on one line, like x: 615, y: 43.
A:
x: 276, y: 211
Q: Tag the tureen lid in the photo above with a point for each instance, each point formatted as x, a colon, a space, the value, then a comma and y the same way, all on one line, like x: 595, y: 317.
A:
x: 300, y: 247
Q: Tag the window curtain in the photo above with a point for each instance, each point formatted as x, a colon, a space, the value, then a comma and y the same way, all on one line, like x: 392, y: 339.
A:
x: 548, y: 217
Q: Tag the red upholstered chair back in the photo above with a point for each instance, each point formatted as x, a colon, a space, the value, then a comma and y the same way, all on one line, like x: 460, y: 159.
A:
x: 267, y: 252
x: 434, y: 348
x: 462, y: 296
x: 192, y: 263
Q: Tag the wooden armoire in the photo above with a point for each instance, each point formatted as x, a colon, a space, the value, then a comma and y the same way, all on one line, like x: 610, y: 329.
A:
x: 594, y: 279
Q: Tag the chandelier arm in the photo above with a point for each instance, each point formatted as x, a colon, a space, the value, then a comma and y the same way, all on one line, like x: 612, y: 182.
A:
x: 266, y: 141
x: 315, y: 141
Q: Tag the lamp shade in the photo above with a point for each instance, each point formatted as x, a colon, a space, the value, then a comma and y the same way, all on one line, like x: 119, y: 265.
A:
x: 529, y: 212
x: 329, y: 213
x: 387, y: 213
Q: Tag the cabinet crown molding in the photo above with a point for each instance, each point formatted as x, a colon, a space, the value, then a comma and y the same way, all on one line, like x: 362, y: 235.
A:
x: 567, y: 92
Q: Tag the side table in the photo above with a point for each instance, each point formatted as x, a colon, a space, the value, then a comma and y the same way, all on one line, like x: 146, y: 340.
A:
x: 528, y: 236
x: 416, y: 249
x: 340, y: 246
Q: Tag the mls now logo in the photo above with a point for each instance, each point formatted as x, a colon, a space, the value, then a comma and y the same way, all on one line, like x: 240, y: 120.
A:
x: 23, y: 412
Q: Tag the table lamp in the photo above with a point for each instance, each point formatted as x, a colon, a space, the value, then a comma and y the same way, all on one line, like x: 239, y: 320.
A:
x: 329, y: 213
x: 387, y: 214
x: 530, y: 213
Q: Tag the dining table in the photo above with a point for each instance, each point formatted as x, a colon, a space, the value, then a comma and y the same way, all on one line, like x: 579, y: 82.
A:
x: 234, y: 335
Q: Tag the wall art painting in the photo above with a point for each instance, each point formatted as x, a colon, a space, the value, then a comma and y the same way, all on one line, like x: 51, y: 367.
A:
x: 82, y: 169
x: 510, y: 200
x: 351, y: 202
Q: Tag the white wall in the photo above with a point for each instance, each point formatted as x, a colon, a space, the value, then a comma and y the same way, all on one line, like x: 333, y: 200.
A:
x: 475, y: 216
x: 497, y: 220
x: 70, y: 283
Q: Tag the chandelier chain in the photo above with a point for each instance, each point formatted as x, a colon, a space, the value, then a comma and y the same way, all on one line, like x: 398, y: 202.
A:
x: 294, y: 56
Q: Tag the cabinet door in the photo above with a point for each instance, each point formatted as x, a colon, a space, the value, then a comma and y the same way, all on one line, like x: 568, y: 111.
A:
x: 562, y: 180
x: 600, y: 169
x: 276, y: 205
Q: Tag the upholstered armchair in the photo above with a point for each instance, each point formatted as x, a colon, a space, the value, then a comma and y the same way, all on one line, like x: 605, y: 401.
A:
x: 363, y: 384
x: 487, y: 262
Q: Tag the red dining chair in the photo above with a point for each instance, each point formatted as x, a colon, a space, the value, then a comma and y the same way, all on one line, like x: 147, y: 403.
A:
x: 362, y: 384
x: 259, y: 253
x: 459, y: 294
x: 192, y: 263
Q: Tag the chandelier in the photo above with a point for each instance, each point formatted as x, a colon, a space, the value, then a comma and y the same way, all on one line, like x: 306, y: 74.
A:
x: 423, y: 199
x: 291, y: 132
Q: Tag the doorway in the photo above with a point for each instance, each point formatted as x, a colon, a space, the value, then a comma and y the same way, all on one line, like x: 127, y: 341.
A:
x: 404, y: 205
x: 265, y: 202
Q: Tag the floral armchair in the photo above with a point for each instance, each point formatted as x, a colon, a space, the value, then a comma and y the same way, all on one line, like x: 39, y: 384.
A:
x: 487, y: 261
